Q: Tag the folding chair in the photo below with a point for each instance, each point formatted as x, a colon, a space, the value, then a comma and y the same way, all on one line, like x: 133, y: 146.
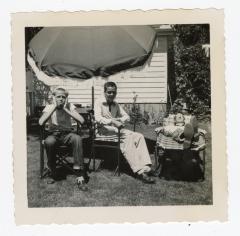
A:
x: 106, y: 143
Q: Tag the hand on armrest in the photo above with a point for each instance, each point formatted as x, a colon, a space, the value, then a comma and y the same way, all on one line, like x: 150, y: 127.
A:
x: 117, y: 124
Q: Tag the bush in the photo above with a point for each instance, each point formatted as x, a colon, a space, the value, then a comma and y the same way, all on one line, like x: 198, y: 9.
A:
x: 192, y: 67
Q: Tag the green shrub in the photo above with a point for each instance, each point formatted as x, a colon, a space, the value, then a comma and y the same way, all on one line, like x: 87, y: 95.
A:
x: 192, y: 67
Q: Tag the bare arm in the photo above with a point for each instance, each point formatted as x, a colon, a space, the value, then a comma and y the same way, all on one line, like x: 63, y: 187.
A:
x: 74, y: 114
x: 46, y: 115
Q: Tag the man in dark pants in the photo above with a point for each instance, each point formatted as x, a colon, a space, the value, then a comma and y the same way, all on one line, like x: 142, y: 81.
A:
x: 58, y: 115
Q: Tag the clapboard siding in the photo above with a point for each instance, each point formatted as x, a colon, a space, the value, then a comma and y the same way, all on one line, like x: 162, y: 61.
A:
x: 158, y: 59
x: 139, y: 85
x: 83, y: 92
x: 150, y: 74
x: 142, y: 95
x: 156, y: 69
x: 149, y: 83
x: 140, y: 91
x: 80, y: 96
x: 157, y: 64
x: 143, y: 100
x: 84, y: 101
x: 138, y: 80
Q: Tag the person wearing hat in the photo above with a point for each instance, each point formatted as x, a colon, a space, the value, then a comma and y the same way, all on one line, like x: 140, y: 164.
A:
x: 59, y: 116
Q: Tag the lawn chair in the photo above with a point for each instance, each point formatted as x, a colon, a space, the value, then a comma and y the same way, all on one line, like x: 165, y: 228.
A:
x: 112, y: 143
x: 166, y: 144
x: 62, y: 153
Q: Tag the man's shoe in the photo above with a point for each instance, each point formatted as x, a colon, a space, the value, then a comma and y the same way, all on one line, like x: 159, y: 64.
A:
x: 146, y: 179
x: 50, y: 181
x: 51, y: 176
x: 81, y: 183
x: 154, y: 173
x: 188, y: 135
x: 82, y: 180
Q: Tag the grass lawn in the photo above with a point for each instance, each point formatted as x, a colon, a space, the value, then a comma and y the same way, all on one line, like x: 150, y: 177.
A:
x: 108, y: 190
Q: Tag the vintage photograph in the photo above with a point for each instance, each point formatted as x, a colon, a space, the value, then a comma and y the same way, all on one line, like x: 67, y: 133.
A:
x: 118, y: 115
x: 119, y: 119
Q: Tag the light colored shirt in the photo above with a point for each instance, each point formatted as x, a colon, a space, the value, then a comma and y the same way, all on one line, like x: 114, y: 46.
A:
x: 105, y: 113
x: 59, y: 120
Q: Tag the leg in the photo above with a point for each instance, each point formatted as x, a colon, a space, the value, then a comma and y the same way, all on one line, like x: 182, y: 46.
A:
x: 75, y: 141
x: 50, y: 145
x: 135, y: 151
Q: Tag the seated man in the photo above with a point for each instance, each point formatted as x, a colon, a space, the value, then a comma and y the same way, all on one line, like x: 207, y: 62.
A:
x: 109, y: 116
x: 58, y: 114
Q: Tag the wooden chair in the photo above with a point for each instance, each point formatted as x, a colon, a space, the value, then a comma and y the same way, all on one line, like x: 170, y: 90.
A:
x: 105, y: 143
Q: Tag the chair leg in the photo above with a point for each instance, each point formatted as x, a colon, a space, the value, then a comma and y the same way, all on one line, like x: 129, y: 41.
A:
x: 159, y: 161
x: 63, y: 162
x: 156, y: 157
x: 118, y: 157
x: 116, y: 172
x: 46, y: 172
x: 89, y: 161
x: 204, y: 162
x: 41, y: 161
x: 93, y: 157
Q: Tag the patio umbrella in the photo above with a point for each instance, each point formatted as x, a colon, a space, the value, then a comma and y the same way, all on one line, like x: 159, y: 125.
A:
x: 84, y: 52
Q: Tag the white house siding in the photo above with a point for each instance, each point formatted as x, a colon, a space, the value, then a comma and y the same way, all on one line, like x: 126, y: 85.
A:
x: 149, y: 83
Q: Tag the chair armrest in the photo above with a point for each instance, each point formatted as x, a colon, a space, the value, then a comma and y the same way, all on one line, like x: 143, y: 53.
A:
x: 199, y: 148
x: 119, y: 129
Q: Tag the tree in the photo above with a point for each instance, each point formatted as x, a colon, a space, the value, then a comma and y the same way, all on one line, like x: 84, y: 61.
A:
x: 192, y: 66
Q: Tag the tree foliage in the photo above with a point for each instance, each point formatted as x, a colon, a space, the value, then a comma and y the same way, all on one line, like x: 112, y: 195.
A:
x: 192, y: 67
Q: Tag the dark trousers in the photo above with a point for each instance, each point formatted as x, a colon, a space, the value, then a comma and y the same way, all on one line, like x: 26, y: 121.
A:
x: 72, y: 140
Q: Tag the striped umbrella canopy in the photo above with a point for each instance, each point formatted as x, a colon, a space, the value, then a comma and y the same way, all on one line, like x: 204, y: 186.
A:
x: 84, y: 52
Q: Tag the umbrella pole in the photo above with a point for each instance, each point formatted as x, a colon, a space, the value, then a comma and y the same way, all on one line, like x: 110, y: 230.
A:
x: 169, y: 95
x: 93, y: 99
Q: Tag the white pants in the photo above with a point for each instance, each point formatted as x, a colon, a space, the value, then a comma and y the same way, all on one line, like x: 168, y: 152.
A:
x: 134, y: 149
